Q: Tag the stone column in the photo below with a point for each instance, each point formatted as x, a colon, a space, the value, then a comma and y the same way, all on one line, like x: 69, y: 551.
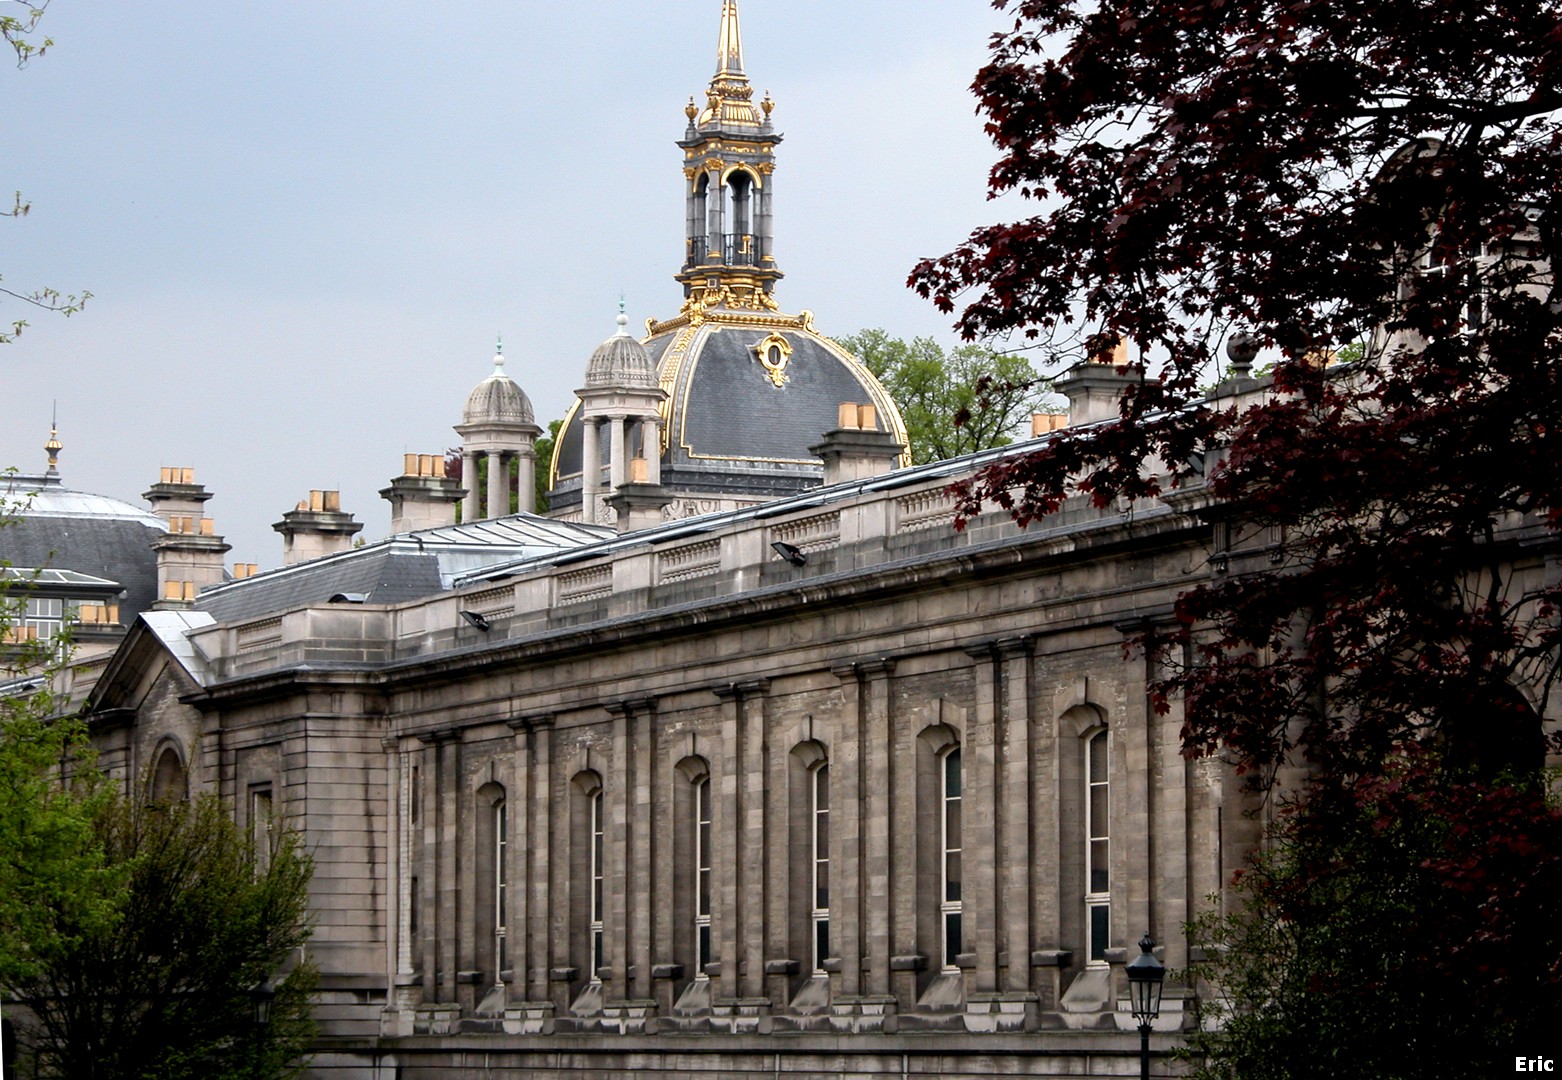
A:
x: 982, y: 909
x: 620, y: 842
x: 905, y: 960
x: 618, y: 463
x: 526, y: 482
x: 644, y: 847
x: 878, y: 824
x: 517, y: 873
x: 471, y: 501
x: 727, y: 899
x: 766, y: 222
x: 651, y: 447
x: 716, y: 213
x: 846, y: 878
x: 498, y: 485
x: 752, y: 837
x: 590, y: 468
x: 545, y: 950
x: 1015, y: 784
x: 447, y: 851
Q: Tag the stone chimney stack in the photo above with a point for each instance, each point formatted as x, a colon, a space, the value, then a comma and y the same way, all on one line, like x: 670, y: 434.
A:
x: 316, y: 527
x: 1095, y: 387
x: 422, y: 497
x: 856, y: 449
x: 190, y: 554
x: 639, y: 501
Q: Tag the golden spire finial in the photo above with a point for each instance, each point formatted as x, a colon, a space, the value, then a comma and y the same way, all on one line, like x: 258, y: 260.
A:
x: 691, y: 110
x: 767, y: 105
x: 729, y: 51
x: 53, y: 446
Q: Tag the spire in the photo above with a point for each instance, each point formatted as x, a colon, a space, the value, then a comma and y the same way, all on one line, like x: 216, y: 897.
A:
x: 729, y: 100
x: 728, y: 164
x: 53, y: 446
x: 729, y: 50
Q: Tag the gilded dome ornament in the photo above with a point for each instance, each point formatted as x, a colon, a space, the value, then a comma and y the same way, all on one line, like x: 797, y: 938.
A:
x: 774, y: 353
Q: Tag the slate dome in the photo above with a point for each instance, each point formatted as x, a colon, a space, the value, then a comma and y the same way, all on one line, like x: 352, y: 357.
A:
x: 498, y: 400
x: 747, y: 394
x: 621, y: 361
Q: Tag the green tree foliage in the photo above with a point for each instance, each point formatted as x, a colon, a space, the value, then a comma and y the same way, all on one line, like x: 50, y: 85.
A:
x: 956, y: 401
x: 1402, y: 931
x: 131, y: 935
x: 162, y: 988
x: 545, y: 444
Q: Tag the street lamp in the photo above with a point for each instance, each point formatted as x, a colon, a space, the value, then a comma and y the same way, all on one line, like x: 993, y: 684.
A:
x: 1146, y: 975
x: 261, y: 996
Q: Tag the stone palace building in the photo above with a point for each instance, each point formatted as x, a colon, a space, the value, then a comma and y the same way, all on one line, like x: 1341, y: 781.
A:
x: 743, y: 761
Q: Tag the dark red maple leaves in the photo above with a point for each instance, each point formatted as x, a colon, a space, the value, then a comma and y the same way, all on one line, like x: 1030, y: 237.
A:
x: 1382, y: 176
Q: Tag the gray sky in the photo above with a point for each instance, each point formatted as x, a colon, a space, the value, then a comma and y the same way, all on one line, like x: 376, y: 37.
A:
x: 304, y: 224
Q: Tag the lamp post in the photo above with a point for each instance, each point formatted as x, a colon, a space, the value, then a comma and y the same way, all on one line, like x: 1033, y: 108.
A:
x: 1146, y: 975
x: 261, y: 996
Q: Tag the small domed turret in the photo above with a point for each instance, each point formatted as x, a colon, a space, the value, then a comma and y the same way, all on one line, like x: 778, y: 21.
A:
x: 621, y: 362
x: 497, y: 426
x: 498, y: 399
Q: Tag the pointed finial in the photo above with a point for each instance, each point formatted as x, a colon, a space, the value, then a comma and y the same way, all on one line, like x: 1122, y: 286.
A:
x: 498, y: 355
x: 623, y: 319
x: 691, y: 110
x: 767, y: 104
x: 53, y: 446
x: 729, y: 51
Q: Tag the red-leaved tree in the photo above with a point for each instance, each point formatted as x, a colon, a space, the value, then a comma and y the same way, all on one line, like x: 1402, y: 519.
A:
x: 1375, y: 183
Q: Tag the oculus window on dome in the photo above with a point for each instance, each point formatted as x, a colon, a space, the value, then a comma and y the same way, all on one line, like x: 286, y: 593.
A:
x: 774, y: 353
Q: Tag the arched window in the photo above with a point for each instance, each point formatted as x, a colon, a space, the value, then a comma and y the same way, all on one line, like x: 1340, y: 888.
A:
x: 598, y: 838
x: 492, y: 820
x: 501, y: 884
x: 819, y: 848
x: 585, y: 899
x: 1098, y: 900
x: 703, y: 954
x: 951, y: 909
x: 169, y: 782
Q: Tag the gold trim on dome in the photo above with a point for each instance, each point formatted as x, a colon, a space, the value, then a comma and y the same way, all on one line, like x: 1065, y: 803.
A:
x: 889, y: 412
x: 774, y: 353
x: 558, y: 445
x: 667, y: 377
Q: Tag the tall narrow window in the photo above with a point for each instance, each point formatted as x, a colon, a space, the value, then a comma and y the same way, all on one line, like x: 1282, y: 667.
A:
x: 820, y: 914
x: 951, y: 906
x: 702, y: 878
x: 260, y: 826
x: 597, y: 956
x: 1098, y: 901
x: 501, y: 910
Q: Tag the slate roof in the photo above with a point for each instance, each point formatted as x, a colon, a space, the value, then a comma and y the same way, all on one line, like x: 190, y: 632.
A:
x: 56, y: 528
x: 400, y: 568
x: 730, y: 427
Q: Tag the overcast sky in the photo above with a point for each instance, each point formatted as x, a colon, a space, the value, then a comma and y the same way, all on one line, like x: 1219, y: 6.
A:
x: 304, y: 224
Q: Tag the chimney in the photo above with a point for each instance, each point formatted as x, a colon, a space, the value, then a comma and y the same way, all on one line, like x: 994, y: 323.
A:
x: 1045, y: 423
x: 1095, y: 388
x: 315, y: 528
x: 422, y: 497
x: 189, y: 555
x: 639, y: 503
x: 856, y: 449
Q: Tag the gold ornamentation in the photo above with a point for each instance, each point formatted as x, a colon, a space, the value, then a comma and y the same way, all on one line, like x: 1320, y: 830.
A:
x: 774, y: 352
